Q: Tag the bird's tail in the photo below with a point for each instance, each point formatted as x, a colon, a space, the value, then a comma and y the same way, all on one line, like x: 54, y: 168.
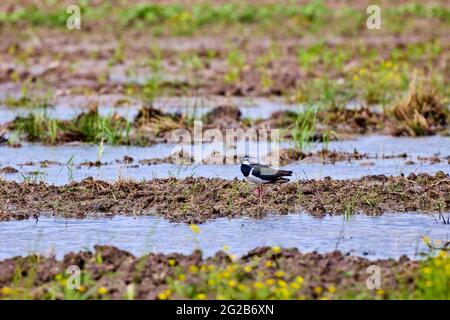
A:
x: 282, y: 173
x: 282, y: 180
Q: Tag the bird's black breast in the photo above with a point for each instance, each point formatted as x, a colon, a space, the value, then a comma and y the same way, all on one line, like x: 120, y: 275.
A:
x: 245, y: 169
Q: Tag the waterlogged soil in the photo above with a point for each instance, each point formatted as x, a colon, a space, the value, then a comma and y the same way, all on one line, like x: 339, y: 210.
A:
x: 113, y: 273
x: 198, y: 199
x: 149, y: 125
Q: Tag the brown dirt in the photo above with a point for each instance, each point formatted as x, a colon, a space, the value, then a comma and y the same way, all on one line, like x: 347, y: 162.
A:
x: 8, y: 170
x: 199, y: 199
x: 150, y: 274
x: 77, y: 61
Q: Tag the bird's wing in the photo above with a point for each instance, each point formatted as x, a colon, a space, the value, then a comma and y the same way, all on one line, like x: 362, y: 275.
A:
x: 266, y: 172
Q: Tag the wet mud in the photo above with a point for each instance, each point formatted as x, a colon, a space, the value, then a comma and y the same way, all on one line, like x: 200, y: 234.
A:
x: 264, y: 272
x: 198, y: 199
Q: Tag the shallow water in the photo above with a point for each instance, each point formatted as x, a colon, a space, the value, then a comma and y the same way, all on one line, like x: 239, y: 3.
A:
x: 373, y: 145
x: 387, y: 145
x: 65, y: 108
x: 387, y: 236
x: 343, y: 170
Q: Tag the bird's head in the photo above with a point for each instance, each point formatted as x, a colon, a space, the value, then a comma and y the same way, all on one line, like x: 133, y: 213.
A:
x: 245, y: 160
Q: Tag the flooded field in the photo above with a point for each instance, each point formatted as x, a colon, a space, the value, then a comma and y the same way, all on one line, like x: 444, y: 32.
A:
x: 359, y: 235
x: 62, y: 164
x: 203, y: 151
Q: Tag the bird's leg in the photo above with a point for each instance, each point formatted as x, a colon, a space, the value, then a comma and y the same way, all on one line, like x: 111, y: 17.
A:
x: 260, y: 193
x: 256, y: 191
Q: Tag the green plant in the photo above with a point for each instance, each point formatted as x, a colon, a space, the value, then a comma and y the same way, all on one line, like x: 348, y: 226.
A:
x: 235, y: 62
x: 305, y: 127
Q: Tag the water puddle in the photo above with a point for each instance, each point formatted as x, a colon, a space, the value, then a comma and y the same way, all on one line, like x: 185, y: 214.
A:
x: 387, y: 145
x: 66, y: 170
x: 387, y: 236
x: 69, y: 107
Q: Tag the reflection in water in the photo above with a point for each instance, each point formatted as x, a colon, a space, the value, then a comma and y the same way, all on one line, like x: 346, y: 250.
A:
x: 390, y: 235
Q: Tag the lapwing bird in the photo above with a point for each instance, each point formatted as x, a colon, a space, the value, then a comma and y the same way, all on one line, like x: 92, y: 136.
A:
x: 261, y: 174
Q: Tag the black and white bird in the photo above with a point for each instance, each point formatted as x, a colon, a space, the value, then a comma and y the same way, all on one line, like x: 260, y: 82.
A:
x: 261, y: 174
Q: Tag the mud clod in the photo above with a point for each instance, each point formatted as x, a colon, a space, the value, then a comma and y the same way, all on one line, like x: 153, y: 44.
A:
x: 8, y: 170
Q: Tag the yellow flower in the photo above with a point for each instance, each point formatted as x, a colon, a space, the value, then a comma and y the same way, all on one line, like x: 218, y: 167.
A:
x: 281, y: 283
x: 226, y: 248
x: 380, y: 292
x: 268, y: 264
x: 285, y: 293
x: 172, y: 262
x: 248, y: 269
x: 276, y: 249
x: 318, y: 290
x: 279, y: 274
x: 270, y: 281
x: 428, y: 284
x: 182, y: 277
x: 258, y: 285
x: 427, y: 270
x: 299, y: 279
x: 331, y: 289
x: 58, y: 277
x: 63, y: 282
x: 232, y: 283
x: 102, y: 290
x: 233, y: 257
x: 6, y: 291
x: 202, y: 268
x: 242, y: 287
x: 355, y: 78
x: 195, y: 228
x: 296, y: 285
x: 211, y: 267
x: 163, y: 296
x: 82, y: 289
x: 201, y: 296
x: 193, y: 269
x: 231, y: 267
x: 211, y: 282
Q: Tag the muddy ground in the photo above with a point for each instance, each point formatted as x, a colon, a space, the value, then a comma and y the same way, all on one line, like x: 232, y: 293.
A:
x: 99, y: 47
x: 262, y: 273
x: 198, y: 199
x: 345, y: 79
x: 323, y: 55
